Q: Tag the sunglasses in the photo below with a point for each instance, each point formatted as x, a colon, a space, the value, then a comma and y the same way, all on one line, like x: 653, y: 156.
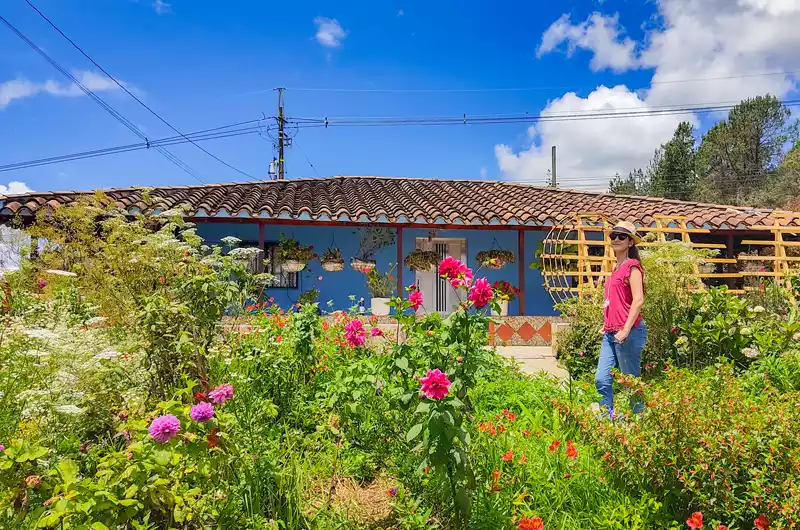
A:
x: 619, y: 237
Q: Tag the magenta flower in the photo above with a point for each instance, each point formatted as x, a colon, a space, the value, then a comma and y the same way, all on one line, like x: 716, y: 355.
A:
x: 455, y: 272
x: 221, y: 394
x: 2, y: 448
x: 376, y: 332
x: 354, y: 333
x: 416, y: 300
x: 164, y: 428
x: 480, y: 293
x: 435, y: 384
x: 202, y: 412
x: 41, y: 284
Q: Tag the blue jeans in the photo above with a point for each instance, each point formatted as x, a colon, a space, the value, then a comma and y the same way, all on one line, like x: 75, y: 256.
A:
x: 627, y: 357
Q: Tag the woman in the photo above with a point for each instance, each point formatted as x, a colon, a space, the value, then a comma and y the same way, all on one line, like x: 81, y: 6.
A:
x: 624, y: 332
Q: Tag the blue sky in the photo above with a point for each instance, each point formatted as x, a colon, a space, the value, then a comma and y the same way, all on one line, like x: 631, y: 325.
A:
x: 203, y: 64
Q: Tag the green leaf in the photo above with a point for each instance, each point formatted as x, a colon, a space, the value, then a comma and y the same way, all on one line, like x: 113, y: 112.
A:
x: 162, y: 458
x: 68, y: 470
x: 402, y: 363
x: 423, y: 408
x: 99, y: 526
x: 413, y: 432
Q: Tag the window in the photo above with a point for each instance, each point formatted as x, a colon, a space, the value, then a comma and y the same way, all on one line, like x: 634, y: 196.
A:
x: 285, y: 280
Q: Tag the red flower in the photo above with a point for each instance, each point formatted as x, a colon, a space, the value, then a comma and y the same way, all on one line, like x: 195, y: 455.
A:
x: 496, y: 475
x: 523, y: 460
x: 534, y: 523
x: 572, y: 451
x: 526, y: 433
x: 722, y: 527
x: 509, y: 456
x: 695, y: 521
x: 324, y: 326
x: 200, y: 396
x: 555, y: 445
x: 761, y: 522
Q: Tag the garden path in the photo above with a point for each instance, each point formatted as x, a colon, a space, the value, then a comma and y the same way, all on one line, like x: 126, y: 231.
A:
x: 534, y: 359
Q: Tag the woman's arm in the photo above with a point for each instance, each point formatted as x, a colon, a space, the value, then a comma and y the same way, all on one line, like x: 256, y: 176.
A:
x: 637, y: 290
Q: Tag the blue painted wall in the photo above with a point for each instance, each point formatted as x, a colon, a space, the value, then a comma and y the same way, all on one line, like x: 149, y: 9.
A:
x: 339, y: 286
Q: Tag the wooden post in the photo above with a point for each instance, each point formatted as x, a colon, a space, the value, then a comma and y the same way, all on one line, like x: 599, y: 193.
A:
x: 521, y: 270
x: 400, y: 261
x: 729, y: 254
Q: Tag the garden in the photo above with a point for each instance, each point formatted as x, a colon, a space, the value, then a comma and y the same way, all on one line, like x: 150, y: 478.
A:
x: 147, y: 382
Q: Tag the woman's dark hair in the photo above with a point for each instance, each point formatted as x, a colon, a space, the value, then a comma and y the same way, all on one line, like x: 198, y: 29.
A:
x: 633, y: 253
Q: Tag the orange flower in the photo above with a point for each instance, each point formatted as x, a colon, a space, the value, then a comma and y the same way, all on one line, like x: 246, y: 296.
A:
x: 722, y: 527
x: 761, y: 522
x: 524, y: 459
x: 501, y: 428
x: 572, y: 451
x: 555, y: 445
x: 496, y: 475
x: 534, y: 523
x: 509, y: 456
x: 526, y: 433
x: 695, y: 521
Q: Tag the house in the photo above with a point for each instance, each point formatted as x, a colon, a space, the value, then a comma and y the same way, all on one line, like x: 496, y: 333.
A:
x: 450, y: 217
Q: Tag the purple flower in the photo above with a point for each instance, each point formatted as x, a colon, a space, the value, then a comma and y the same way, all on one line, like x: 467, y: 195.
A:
x: 2, y: 448
x: 221, y: 394
x: 41, y: 284
x: 164, y: 428
x: 202, y: 412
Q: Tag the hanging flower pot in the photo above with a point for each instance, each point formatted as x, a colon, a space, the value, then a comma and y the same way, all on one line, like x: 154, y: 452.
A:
x: 292, y: 256
x: 363, y: 265
x: 421, y: 260
x: 495, y: 258
x: 332, y: 260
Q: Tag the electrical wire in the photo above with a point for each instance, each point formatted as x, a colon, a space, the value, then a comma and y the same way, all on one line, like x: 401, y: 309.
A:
x: 294, y: 144
x: 123, y: 87
x: 103, y: 104
x: 202, y: 135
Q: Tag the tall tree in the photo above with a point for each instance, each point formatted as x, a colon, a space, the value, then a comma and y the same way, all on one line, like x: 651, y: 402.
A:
x: 673, y: 169
x: 737, y: 156
x: 634, y: 184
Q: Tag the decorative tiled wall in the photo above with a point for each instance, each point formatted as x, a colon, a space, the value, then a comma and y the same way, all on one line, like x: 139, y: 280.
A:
x: 523, y: 331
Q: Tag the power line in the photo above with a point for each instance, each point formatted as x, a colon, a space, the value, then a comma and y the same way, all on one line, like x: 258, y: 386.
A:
x: 510, y: 118
x: 97, y: 99
x: 123, y: 87
x: 294, y: 144
x: 202, y: 135
x: 521, y: 89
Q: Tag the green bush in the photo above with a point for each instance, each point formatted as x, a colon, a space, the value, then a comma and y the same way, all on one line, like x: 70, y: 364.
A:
x: 706, y: 444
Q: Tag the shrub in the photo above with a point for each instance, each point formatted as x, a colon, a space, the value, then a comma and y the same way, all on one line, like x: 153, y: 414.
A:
x: 706, y: 445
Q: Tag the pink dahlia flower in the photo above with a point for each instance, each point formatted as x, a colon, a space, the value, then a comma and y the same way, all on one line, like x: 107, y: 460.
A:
x: 435, y: 384
x: 221, y: 394
x: 455, y: 272
x: 354, y: 333
x: 376, y: 332
x: 202, y: 412
x: 164, y: 428
x: 480, y: 293
x: 416, y: 300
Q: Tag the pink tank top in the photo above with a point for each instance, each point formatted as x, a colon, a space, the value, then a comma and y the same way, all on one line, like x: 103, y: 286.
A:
x: 619, y: 297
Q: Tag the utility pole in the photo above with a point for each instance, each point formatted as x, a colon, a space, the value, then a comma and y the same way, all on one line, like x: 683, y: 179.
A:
x: 553, y: 180
x: 281, y: 137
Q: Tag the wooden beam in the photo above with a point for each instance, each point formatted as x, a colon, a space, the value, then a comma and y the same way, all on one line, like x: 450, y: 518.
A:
x: 521, y: 270
x: 399, y: 237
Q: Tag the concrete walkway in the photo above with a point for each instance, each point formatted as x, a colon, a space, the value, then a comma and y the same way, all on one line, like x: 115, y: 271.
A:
x: 534, y: 359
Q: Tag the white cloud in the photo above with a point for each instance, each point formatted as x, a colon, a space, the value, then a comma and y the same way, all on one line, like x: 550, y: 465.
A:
x: 14, y: 187
x: 723, y: 42
x: 600, y: 34
x: 22, y: 88
x: 161, y: 7
x: 329, y: 32
x: 588, y: 152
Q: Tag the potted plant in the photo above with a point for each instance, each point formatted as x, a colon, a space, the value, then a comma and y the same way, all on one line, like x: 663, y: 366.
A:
x: 372, y: 240
x: 292, y: 256
x: 504, y: 292
x: 363, y: 265
x: 421, y: 260
x: 308, y: 297
x: 332, y: 260
x: 381, y: 286
x: 495, y: 258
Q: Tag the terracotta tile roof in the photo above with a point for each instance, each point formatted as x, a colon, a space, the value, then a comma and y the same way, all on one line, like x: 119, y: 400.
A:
x: 403, y: 200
